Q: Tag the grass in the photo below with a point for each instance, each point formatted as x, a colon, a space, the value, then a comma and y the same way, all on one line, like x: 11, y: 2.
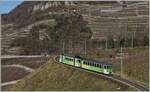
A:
x: 135, y: 66
x: 59, y: 77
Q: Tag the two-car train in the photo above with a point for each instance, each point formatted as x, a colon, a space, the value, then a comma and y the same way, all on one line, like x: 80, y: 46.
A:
x: 93, y: 65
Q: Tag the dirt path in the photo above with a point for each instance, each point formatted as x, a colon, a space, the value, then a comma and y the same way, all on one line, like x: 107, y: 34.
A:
x: 20, y: 56
x: 19, y: 66
x: 9, y: 83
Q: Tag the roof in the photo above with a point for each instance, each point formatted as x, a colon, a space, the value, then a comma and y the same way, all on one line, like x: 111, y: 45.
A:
x: 104, y: 62
x: 101, y: 61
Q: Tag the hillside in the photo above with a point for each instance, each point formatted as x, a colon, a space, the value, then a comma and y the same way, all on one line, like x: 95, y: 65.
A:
x: 132, y: 62
x: 116, y: 19
x: 54, y: 76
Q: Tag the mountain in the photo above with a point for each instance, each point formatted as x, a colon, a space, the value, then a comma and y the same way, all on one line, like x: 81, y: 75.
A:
x: 105, y: 19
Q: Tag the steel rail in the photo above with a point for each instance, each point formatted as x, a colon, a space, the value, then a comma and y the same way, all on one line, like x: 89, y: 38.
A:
x: 114, y: 78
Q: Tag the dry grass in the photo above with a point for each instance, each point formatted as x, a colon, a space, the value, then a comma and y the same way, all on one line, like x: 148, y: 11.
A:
x: 54, y: 76
x: 135, y: 65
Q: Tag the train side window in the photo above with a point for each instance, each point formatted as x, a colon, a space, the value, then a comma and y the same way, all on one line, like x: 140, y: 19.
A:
x: 90, y: 64
x: 79, y: 61
x: 96, y: 65
x: 100, y: 65
x: 104, y: 67
x: 87, y: 63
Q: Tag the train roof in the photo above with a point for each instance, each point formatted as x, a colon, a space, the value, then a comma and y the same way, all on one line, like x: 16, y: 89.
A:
x: 100, y: 61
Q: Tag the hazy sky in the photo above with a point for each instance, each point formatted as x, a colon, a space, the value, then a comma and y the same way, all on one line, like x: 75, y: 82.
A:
x: 7, y: 5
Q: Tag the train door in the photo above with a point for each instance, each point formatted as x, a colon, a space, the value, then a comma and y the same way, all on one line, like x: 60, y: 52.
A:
x: 78, y: 62
x: 61, y: 58
x: 105, y: 69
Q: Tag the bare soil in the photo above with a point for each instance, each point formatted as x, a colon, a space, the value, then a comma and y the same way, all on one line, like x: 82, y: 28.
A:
x: 12, y: 73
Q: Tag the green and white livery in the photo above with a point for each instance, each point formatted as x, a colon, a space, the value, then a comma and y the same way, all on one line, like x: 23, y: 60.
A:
x: 93, y: 65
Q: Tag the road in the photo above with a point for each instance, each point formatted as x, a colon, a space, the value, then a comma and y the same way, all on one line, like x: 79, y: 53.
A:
x: 9, y: 83
x: 20, y: 56
x: 19, y: 66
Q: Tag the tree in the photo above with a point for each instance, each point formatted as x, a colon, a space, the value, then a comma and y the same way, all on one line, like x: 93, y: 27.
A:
x: 111, y: 43
x: 121, y: 41
x: 69, y: 28
x: 146, y: 40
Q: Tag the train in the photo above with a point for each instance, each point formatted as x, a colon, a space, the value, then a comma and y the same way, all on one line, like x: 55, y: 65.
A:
x: 100, y: 66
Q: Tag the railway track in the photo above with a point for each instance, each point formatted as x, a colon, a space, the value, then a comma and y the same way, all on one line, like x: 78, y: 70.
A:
x: 127, y: 82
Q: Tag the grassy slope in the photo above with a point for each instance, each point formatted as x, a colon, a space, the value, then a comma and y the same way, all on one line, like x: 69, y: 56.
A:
x: 135, y: 67
x: 54, y: 76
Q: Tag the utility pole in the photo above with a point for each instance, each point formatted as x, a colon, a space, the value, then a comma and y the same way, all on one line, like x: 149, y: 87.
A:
x: 121, y: 61
x: 85, y: 48
x: 63, y: 49
x: 70, y: 46
x: 106, y: 43
x: 125, y: 35
x: 133, y: 36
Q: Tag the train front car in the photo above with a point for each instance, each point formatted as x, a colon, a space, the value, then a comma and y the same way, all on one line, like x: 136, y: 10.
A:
x: 107, y: 68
